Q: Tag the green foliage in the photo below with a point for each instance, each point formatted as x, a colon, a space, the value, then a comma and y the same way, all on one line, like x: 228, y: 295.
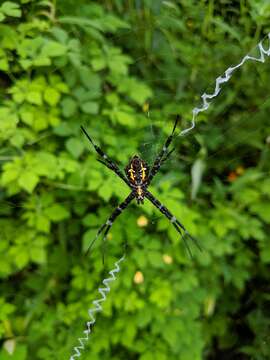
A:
x: 124, y: 72
x: 8, y: 8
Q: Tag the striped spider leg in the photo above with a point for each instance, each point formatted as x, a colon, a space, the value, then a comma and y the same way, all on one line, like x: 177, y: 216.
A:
x: 108, y: 224
x: 176, y: 223
x: 163, y: 154
x: 106, y: 160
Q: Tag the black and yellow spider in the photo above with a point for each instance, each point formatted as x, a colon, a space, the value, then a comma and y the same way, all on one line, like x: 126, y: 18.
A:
x: 138, y: 177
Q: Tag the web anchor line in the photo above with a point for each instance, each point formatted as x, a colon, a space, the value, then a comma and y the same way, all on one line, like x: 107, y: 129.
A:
x: 77, y: 350
x: 225, y: 77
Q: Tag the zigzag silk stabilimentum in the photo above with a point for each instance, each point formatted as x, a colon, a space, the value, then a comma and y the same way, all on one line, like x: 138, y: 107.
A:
x: 96, y: 308
x: 225, y: 77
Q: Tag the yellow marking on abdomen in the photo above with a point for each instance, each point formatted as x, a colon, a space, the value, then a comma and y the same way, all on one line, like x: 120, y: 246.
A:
x: 131, y: 171
x: 143, y: 172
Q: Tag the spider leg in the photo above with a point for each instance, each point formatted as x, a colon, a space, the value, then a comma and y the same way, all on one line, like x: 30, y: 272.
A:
x: 167, y: 156
x: 108, y: 224
x: 176, y: 223
x: 160, y: 157
x: 109, y: 166
x: 107, y: 161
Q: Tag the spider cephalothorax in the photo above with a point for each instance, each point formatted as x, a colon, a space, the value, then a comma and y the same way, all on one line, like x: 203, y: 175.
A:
x: 138, y: 178
x: 137, y: 173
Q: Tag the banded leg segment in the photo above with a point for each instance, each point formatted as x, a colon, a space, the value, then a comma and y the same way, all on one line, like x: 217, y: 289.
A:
x: 110, y: 165
x: 176, y: 223
x: 162, y: 155
x: 106, y: 160
x: 106, y: 226
x: 165, y: 158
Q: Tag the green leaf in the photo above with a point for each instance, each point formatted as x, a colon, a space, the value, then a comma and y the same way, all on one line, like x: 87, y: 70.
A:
x: 69, y: 106
x: 60, y: 34
x: 51, y: 96
x: 88, y: 237
x: 171, y: 336
x: 57, y: 212
x: 26, y: 64
x: 21, y: 258
x: 262, y: 209
x: 138, y: 91
x: 147, y: 356
x: 91, y: 81
x: 34, y: 97
x: 17, y: 140
x: 75, y: 147
x: 11, y: 9
x: 39, y: 60
x: 98, y: 63
x: 105, y: 192
x: 8, y: 123
x: 53, y: 49
x: 76, y: 20
x: 161, y: 296
x: 4, y: 64
x: 42, y: 223
x: 155, y: 259
x: 125, y: 118
x: 64, y: 129
x: 28, y: 180
x: 90, y: 107
x: 90, y: 220
x: 10, y: 174
x: 27, y: 116
x: 38, y: 255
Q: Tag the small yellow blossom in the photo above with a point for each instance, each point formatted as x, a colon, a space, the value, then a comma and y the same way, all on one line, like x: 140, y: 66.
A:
x: 167, y: 259
x: 142, y: 221
x: 138, y: 277
x: 209, y: 306
x: 109, y: 236
x: 239, y: 170
x: 146, y: 107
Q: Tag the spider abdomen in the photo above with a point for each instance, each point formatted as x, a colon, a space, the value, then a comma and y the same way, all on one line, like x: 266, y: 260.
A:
x: 137, y: 173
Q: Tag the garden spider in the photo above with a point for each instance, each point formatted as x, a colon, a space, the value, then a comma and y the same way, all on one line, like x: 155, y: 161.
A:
x: 138, y: 177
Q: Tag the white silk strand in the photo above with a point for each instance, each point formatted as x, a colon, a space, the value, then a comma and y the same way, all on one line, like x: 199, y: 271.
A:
x: 223, y: 79
x: 77, y: 350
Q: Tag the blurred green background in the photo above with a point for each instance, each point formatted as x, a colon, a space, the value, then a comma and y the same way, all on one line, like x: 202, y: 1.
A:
x: 124, y: 69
